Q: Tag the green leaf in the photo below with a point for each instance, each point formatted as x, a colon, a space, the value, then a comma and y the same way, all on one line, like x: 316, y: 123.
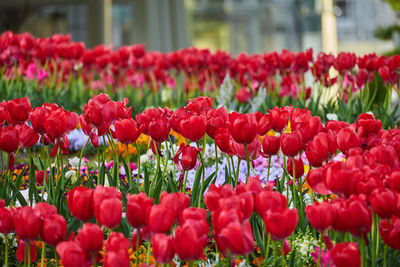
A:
x: 196, y: 187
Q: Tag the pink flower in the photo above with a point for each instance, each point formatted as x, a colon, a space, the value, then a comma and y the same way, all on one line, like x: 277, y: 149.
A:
x: 325, y: 257
x: 32, y: 72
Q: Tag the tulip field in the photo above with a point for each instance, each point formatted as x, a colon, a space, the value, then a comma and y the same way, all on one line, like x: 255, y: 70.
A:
x: 130, y: 157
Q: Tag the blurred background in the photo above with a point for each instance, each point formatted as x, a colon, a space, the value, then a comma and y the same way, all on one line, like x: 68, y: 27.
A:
x: 252, y: 26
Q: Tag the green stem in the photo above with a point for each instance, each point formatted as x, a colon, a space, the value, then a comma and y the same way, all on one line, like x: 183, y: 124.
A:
x: 283, y: 253
x: 202, y: 178
x: 216, y: 162
x: 148, y: 253
x: 137, y: 245
x: 267, y: 249
x: 294, y: 192
x: 269, y: 167
x: 94, y: 260
x: 43, y: 254
x: 248, y: 162
x: 138, y: 172
x: 363, y: 252
x: 373, y: 240
x: 384, y: 255
x: 237, y: 173
x: 320, y: 248
x: 78, y: 171
x: 183, y: 189
x: 274, y: 262
x: 6, y: 250
x: 28, y: 247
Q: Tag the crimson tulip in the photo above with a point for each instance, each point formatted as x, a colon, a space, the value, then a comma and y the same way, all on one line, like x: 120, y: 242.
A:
x: 163, y: 250
x: 367, y: 124
x: 90, y: 238
x: 194, y: 127
x: 346, y: 139
x: 384, y: 202
x: 27, y: 223
x: 291, y: 144
x: 19, y: 109
x: 9, y: 140
x: 298, y: 167
x: 243, y: 127
x: 44, y: 210
x: 80, y: 197
x: 253, y: 149
x: 160, y: 218
x: 390, y: 232
x: 244, y: 95
x: 236, y: 237
x: 280, y: 223
x: 118, y: 258
x: 269, y: 200
x: 346, y: 254
x: 264, y: 123
x: 27, y: 136
x: 53, y: 229
x: 216, y: 119
x: 6, y: 222
x: 177, y: 202
x: 22, y: 255
x: 190, y: 239
x: 126, y: 131
x: 37, y: 118
x: 188, y: 158
x: 193, y: 214
x: 107, y: 206
x: 116, y: 242
x: 136, y: 209
x: 224, y: 140
x: 321, y: 215
x: 71, y: 254
x: 280, y: 118
x: 271, y: 145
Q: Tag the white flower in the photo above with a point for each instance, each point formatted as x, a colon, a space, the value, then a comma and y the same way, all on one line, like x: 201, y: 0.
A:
x: 74, y: 162
x: 332, y: 116
x: 71, y: 175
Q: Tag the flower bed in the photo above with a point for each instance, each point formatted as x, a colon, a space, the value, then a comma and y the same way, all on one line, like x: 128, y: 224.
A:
x: 196, y: 186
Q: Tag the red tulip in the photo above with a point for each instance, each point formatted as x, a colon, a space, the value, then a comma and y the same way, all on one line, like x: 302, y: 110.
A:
x: 216, y: 119
x: 236, y: 237
x: 118, y: 258
x: 199, y: 105
x: 280, y: 223
x: 253, y: 149
x: 177, y: 202
x: 269, y: 200
x: 80, y: 197
x: 90, y: 238
x: 136, y: 209
x: 71, y: 254
x: 117, y: 242
x: 264, y: 123
x: 44, y: 210
x: 243, y: 95
x: 194, y: 127
x: 107, y: 206
x: 321, y: 148
x: 21, y: 251
x: 243, y: 127
x: 356, y: 209
x: 19, y: 109
x: 6, y: 222
x: 299, y: 167
x: 193, y: 214
x: 368, y: 124
x: 59, y: 122
x: 54, y: 229
x: 223, y: 139
x: 27, y: 223
x: 27, y: 136
x: 163, y: 250
x: 37, y: 118
x: 321, y: 215
x: 188, y: 158
x: 190, y: 239
x: 280, y: 118
x: 339, y: 179
x: 39, y: 177
x: 346, y: 254
x: 159, y: 130
x: 291, y: 144
x: 390, y: 232
x: 346, y: 139
x: 9, y: 140
x: 394, y: 181
x: 384, y: 202
x: 4, y: 114
x: 271, y: 145
x: 126, y: 131
x: 160, y: 218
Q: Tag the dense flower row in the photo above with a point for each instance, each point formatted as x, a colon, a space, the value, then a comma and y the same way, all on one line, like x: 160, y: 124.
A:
x: 361, y: 201
x: 59, y: 58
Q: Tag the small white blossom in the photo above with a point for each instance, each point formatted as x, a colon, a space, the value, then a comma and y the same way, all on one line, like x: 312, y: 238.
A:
x: 74, y: 162
x: 332, y: 116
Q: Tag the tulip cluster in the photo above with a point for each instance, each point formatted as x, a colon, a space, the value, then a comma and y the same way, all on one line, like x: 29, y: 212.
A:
x: 58, y: 57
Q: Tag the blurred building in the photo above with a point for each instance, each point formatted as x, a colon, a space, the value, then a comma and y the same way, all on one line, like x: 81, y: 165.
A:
x: 251, y: 26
